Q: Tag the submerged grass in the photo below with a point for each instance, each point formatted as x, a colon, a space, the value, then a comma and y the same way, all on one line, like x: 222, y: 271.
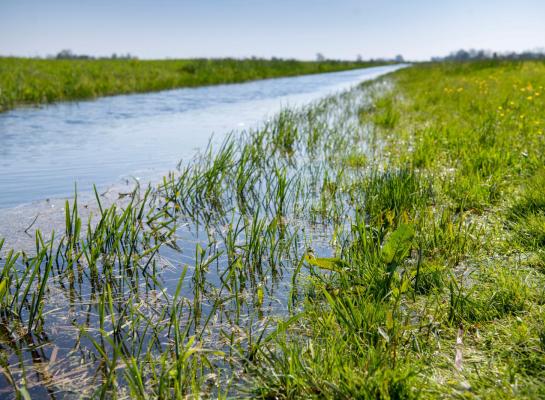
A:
x: 35, y: 81
x: 382, y: 243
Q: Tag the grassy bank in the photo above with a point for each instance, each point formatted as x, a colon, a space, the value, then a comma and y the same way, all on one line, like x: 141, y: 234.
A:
x: 457, y: 189
x: 34, y: 81
x: 385, y: 243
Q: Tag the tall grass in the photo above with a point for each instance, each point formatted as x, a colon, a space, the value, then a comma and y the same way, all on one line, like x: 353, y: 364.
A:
x: 34, y: 81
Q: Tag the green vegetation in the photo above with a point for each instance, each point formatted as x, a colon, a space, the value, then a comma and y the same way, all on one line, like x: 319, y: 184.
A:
x: 35, y: 81
x: 281, y: 265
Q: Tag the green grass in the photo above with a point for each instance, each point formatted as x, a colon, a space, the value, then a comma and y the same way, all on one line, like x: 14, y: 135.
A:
x: 385, y: 243
x: 33, y: 81
x: 460, y: 155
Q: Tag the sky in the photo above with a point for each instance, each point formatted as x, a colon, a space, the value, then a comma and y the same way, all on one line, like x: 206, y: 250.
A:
x: 340, y: 29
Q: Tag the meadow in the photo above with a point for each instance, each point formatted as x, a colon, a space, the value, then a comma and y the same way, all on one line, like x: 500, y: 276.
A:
x: 25, y: 81
x: 389, y: 245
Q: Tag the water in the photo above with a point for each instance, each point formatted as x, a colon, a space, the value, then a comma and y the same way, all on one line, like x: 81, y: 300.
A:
x: 45, y: 151
x: 56, y: 360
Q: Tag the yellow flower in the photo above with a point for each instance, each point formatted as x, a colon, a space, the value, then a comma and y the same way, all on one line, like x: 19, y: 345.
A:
x: 529, y: 98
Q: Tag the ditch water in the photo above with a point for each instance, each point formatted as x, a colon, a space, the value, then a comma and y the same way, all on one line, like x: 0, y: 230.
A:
x: 45, y: 151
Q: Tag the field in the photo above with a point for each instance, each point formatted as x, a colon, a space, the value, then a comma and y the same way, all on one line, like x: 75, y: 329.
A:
x: 26, y: 81
x: 387, y: 242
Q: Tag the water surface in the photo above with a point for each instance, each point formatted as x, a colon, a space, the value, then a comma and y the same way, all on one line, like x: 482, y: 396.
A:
x: 45, y: 151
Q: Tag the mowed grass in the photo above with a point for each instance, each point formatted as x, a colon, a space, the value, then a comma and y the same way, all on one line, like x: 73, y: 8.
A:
x: 427, y: 279
x: 36, y: 81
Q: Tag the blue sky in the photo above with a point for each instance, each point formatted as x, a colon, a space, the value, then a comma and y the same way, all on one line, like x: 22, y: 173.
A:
x: 417, y: 29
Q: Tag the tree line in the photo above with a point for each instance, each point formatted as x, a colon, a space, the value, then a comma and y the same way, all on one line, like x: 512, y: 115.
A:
x: 69, y: 55
x: 473, y: 54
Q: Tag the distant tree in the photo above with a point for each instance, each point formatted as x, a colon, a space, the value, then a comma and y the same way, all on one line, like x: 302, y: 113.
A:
x: 359, y: 58
x: 320, y: 57
x: 67, y: 54
x: 399, y: 58
x: 64, y: 54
